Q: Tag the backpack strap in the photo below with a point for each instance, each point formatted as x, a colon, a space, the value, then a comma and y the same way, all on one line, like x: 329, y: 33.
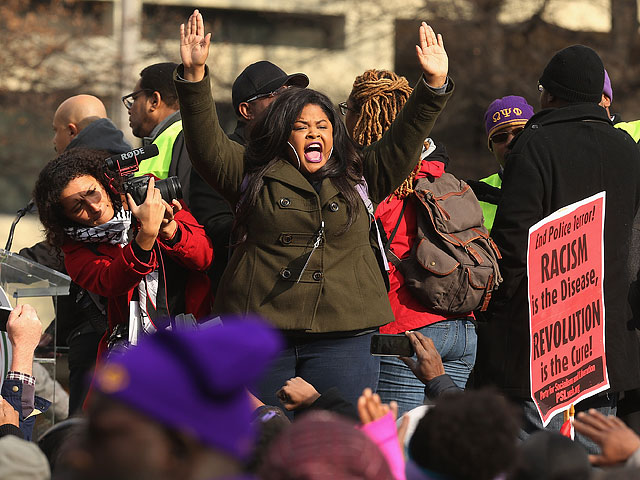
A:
x: 394, y: 260
x: 363, y: 191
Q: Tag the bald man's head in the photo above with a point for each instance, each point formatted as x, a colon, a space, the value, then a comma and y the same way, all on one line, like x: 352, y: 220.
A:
x: 74, y: 114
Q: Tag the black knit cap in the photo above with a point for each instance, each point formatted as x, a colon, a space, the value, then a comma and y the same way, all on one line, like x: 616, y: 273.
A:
x: 575, y: 74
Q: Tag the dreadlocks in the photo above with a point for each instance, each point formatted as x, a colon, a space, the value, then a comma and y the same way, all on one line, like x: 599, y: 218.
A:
x: 379, y: 95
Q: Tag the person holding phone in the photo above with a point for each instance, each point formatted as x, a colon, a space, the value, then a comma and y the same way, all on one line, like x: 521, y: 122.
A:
x: 303, y: 256
x: 142, y: 259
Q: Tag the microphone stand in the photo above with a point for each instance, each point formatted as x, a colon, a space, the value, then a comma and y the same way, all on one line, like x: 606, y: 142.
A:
x: 21, y: 213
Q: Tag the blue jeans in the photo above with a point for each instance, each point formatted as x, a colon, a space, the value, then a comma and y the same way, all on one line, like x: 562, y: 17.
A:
x: 455, y: 340
x: 323, y: 361
x: 605, y: 403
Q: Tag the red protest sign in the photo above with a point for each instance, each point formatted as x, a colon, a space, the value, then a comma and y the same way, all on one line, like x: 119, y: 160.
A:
x: 565, y: 267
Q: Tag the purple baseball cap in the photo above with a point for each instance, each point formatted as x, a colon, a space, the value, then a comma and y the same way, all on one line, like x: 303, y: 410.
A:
x: 196, y: 381
x: 506, y: 111
x: 607, y: 90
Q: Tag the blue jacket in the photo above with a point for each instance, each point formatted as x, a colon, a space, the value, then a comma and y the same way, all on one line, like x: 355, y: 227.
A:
x: 21, y: 397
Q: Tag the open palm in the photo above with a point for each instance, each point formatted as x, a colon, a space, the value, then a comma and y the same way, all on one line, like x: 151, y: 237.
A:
x: 432, y: 56
x: 194, y: 44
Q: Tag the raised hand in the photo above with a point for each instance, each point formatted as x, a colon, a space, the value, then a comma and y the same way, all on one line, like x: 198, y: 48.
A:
x: 194, y: 47
x: 371, y: 408
x: 432, y: 56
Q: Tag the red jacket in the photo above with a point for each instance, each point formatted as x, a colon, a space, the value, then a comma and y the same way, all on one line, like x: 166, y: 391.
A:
x: 115, y: 272
x: 409, y: 313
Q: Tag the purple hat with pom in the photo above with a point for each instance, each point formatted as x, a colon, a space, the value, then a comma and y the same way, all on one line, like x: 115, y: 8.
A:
x: 196, y: 381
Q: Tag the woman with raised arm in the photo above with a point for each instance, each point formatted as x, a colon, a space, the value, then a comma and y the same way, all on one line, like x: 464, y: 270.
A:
x: 303, y: 256
x: 376, y: 98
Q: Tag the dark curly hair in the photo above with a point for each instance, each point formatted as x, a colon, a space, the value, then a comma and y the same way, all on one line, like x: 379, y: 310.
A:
x: 54, y: 178
x: 472, y: 434
x: 267, y: 145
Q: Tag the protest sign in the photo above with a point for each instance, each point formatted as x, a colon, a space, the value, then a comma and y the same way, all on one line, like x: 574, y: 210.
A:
x: 565, y: 267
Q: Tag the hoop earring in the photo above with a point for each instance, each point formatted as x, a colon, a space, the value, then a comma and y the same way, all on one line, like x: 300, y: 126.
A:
x: 330, y: 153
x: 297, y: 156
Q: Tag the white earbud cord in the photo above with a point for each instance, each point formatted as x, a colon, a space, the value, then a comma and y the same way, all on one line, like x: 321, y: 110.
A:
x: 297, y: 156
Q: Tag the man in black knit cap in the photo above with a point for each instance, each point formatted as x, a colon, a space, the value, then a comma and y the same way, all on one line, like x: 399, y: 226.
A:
x: 568, y: 151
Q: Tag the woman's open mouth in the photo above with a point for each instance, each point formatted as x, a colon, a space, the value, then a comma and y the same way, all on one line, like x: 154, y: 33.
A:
x: 313, y: 152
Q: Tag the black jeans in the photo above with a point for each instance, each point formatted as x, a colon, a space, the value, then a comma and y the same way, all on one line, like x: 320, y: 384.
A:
x: 83, y: 350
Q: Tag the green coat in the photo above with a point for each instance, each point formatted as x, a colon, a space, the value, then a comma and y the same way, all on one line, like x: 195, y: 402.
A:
x: 341, y: 288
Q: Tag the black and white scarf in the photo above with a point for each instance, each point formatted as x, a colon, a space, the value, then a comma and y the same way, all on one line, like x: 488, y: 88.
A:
x: 115, y: 231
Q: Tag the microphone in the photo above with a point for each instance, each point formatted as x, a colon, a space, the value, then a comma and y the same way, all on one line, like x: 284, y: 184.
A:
x: 129, y: 161
x: 21, y: 213
x: 29, y: 207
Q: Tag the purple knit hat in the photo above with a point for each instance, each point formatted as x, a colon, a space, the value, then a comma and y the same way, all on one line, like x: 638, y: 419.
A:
x: 607, y: 90
x: 506, y: 111
x: 195, y: 381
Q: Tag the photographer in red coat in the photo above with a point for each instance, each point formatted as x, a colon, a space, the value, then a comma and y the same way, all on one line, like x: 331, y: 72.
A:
x: 142, y: 259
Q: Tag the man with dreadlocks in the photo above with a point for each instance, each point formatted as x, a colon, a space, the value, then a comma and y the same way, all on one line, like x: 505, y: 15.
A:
x: 375, y: 100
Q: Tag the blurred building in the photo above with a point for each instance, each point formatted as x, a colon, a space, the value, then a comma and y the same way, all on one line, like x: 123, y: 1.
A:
x: 496, y: 47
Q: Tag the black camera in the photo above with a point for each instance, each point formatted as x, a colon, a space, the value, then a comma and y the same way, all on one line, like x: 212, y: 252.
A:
x: 126, y: 164
x: 170, y: 188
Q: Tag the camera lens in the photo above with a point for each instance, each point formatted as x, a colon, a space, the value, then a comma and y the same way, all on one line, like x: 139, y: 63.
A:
x: 170, y: 189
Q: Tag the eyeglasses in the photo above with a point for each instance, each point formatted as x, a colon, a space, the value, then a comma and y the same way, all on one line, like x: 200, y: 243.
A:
x: 504, y: 136
x: 268, y: 95
x: 344, y: 108
x: 129, y: 99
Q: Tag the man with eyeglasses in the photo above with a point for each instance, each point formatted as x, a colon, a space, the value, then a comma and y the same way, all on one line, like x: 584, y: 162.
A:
x: 505, y: 118
x: 154, y: 116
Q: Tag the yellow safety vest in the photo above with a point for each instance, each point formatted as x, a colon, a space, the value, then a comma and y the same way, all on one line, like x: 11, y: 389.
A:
x: 632, y: 128
x: 489, y: 209
x: 160, y: 164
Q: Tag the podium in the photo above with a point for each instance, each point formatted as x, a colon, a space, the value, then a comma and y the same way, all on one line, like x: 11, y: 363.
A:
x: 25, y: 281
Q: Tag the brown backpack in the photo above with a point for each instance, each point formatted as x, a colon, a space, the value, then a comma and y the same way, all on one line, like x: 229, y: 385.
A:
x: 453, y: 265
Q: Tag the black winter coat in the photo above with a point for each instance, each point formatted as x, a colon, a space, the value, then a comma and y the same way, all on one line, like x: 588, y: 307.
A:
x: 564, y: 155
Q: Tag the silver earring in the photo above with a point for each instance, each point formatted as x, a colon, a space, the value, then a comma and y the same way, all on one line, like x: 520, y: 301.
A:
x: 297, y: 156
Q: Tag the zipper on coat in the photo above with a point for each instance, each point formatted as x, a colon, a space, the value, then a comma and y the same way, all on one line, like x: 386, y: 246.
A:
x: 316, y: 244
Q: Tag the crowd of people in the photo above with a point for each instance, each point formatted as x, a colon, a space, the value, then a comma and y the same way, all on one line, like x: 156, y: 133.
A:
x: 226, y: 291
